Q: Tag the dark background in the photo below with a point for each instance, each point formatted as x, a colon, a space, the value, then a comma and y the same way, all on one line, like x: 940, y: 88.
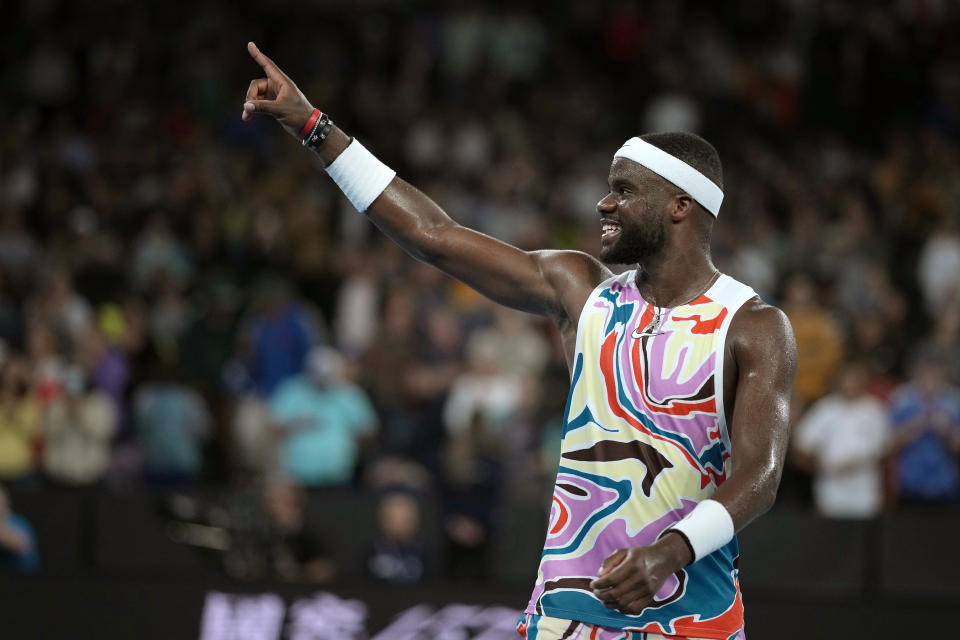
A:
x: 111, y: 573
x: 838, y: 126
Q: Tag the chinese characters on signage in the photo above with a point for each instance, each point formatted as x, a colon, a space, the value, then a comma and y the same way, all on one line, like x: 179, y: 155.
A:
x: 325, y: 616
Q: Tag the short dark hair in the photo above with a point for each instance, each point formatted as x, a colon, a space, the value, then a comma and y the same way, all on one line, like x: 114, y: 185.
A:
x: 692, y: 149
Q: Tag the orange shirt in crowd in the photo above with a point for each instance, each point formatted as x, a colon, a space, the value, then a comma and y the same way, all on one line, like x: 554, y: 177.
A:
x: 819, y: 350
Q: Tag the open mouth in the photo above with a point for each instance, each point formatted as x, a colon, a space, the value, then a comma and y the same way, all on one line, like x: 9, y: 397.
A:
x: 608, y: 229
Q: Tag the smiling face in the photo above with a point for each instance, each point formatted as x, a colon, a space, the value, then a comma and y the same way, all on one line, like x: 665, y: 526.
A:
x: 632, y: 214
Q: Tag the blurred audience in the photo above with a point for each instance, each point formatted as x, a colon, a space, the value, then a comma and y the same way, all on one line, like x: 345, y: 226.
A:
x: 843, y: 440
x: 172, y: 423
x: 926, y: 419
x: 471, y: 484
x: 173, y: 281
x: 481, y: 389
x: 78, y: 427
x: 323, y: 421
x: 18, y: 547
x: 397, y: 555
x: 264, y: 530
x: 279, y: 335
x: 819, y: 342
x: 294, y: 545
x: 20, y: 426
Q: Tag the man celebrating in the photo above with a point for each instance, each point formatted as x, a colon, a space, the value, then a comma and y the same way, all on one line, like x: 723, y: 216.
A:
x: 677, y: 419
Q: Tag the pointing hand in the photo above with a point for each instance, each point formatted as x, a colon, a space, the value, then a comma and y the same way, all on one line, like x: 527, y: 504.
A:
x: 276, y: 95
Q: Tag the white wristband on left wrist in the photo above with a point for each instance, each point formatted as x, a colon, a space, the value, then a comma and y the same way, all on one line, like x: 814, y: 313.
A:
x: 360, y: 175
x: 707, y: 528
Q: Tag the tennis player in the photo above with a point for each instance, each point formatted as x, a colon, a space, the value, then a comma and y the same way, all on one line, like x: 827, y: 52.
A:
x: 677, y: 419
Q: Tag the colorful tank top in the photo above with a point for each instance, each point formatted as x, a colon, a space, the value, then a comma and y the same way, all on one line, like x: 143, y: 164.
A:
x: 644, y: 440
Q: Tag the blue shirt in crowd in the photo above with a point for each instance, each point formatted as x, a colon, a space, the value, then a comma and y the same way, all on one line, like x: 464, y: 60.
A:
x: 928, y: 469
x: 324, y: 422
x: 172, y: 422
x: 27, y: 561
x: 282, y: 341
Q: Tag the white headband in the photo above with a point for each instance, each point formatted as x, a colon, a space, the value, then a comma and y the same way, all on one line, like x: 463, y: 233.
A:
x: 671, y: 168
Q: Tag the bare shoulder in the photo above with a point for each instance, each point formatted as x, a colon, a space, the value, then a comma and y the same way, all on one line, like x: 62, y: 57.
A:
x: 573, y: 265
x: 573, y: 275
x: 760, y: 331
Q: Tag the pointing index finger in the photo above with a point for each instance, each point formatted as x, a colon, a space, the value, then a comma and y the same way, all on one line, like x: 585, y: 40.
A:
x: 272, y: 70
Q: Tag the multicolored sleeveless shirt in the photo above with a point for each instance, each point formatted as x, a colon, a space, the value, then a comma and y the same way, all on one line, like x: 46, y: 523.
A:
x: 644, y: 440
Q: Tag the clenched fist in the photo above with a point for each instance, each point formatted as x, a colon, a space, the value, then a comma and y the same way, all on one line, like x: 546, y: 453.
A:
x: 629, y: 579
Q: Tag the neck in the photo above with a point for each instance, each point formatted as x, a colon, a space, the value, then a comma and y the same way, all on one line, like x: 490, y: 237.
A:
x: 675, y: 277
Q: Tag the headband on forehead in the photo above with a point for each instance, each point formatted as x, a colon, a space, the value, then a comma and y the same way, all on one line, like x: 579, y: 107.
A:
x: 671, y: 168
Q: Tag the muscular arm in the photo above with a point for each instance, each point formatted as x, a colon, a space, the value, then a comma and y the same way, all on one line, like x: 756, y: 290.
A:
x: 765, y: 353
x: 552, y: 283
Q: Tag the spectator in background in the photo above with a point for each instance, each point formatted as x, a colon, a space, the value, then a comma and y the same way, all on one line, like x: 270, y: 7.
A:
x: 323, y: 421
x: 872, y: 342
x: 280, y: 334
x: 19, y: 250
x: 107, y: 368
x: 926, y: 419
x: 873, y: 310
x: 483, y: 389
x: 939, y: 266
x: 18, y: 548
x: 78, y: 427
x: 819, y: 341
x: 206, y: 349
x: 253, y: 439
x: 267, y: 532
x: 409, y: 375
x: 172, y: 423
x: 19, y: 421
x: 471, y: 491
x: 397, y: 555
x: 500, y: 391
x: 388, y: 359
x: 437, y: 362
x: 169, y: 314
x: 512, y: 343
x: 210, y: 338
x: 159, y: 257
x: 357, y: 319
x: 842, y: 440
x: 66, y: 312
x: 137, y: 213
x: 46, y: 362
x: 294, y: 546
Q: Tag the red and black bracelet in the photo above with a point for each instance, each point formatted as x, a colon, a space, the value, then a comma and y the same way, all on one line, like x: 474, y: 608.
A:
x: 308, y: 128
x: 321, y: 129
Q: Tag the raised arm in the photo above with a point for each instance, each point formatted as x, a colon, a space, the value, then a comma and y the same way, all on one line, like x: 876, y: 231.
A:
x: 552, y: 283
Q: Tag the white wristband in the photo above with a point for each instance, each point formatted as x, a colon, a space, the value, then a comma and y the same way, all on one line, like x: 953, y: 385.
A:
x: 707, y: 528
x: 360, y: 175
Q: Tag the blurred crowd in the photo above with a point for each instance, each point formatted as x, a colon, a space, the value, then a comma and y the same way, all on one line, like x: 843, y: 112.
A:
x: 185, y: 299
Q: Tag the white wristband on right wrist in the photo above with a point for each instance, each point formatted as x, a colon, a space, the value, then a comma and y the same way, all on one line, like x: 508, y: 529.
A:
x: 707, y: 528
x: 360, y: 175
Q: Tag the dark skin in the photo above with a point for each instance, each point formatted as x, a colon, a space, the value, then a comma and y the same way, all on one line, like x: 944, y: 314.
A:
x: 760, y: 359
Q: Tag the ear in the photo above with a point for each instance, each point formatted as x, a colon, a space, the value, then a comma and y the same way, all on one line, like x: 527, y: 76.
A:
x: 681, y: 207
